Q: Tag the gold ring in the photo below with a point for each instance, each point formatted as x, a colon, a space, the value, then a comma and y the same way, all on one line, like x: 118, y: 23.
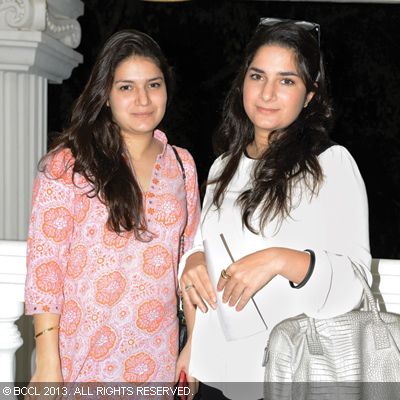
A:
x: 188, y: 287
x: 225, y: 275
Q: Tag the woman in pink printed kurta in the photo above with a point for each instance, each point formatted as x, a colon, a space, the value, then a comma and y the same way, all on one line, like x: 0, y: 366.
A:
x: 116, y: 294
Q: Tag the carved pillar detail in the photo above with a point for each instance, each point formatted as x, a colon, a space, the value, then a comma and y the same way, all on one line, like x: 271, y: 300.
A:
x: 58, y: 21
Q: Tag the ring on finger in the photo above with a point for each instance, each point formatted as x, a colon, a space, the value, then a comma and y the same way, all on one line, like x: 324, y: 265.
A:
x: 225, y: 275
x: 188, y: 287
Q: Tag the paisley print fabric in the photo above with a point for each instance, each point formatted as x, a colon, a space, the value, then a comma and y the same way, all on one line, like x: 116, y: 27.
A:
x: 116, y: 295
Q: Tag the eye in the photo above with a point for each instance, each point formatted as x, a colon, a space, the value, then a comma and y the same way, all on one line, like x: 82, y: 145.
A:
x: 255, y: 76
x: 125, y: 88
x: 155, y: 85
x: 288, y: 82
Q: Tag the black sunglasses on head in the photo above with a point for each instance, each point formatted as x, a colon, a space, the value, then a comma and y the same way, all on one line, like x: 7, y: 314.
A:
x: 312, y: 27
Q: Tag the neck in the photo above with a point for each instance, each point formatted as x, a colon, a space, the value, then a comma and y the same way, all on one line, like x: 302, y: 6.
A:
x: 258, y: 146
x: 139, y: 145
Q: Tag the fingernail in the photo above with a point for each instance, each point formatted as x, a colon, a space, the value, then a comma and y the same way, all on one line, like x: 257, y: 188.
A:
x: 214, y: 305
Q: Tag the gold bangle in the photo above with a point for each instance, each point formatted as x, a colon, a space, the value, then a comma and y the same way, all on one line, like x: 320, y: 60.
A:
x: 46, y: 330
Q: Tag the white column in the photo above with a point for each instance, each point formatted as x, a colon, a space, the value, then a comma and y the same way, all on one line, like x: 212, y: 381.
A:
x: 23, y: 114
x: 12, y: 279
x: 36, y: 41
x: 37, y: 38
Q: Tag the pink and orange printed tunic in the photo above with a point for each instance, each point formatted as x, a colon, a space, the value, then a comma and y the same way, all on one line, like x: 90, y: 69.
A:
x: 116, y: 295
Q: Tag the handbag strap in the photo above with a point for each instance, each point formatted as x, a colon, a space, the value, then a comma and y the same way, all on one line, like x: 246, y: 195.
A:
x: 380, y: 332
x: 182, y: 238
x: 368, y: 295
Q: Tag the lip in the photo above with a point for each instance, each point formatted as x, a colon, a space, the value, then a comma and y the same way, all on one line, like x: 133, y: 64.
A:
x: 264, y: 110
x: 142, y: 115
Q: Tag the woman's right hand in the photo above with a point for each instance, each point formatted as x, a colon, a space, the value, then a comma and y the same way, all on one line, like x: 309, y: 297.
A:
x: 47, y: 375
x: 182, y: 364
x: 195, y: 283
x: 51, y: 377
x: 48, y: 363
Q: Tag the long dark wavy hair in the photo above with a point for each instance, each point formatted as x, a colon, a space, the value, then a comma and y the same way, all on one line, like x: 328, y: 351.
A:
x: 292, y: 152
x: 95, y: 140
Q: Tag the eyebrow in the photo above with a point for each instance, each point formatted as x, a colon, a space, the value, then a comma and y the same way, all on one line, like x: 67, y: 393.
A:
x: 157, y: 78
x: 283, y: 73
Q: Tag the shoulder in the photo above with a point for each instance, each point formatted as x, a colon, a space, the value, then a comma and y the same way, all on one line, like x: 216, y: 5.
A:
x: 335, y: 156
x: 58, y: 166
x: 54, y: 185
x: 217, y: 166
x: 338, y: 164
x: 57, y: 163
x: 185, y: 161
x: 185, y: 156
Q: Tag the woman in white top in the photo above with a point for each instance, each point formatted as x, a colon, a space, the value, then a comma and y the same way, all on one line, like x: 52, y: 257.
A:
x: 282, y: 201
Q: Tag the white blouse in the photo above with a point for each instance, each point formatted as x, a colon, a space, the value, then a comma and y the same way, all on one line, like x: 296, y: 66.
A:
x: 228, y: 346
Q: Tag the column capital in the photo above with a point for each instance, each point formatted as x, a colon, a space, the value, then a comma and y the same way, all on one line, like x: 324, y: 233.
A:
x: 57, y: 18
x: 37, y: 53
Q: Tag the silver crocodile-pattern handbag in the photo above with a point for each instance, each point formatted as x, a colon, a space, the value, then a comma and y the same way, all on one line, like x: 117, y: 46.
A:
x: 338, y: 356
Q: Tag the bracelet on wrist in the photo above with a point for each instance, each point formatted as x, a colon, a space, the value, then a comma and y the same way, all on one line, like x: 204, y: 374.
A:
x: 52, y: 328
x: 309, y: 272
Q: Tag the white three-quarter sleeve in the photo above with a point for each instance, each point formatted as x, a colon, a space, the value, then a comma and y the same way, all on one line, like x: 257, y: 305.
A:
x: 341, y: 222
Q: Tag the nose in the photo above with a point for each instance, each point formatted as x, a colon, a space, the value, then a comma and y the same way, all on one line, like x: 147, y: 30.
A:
x: 142, y: 97
x: 268, y: 91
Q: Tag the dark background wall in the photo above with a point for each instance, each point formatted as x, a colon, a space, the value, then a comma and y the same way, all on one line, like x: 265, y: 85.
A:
x: 204, y: 41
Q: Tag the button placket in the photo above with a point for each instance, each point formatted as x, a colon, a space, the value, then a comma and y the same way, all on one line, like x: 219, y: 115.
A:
x: 151, y: 194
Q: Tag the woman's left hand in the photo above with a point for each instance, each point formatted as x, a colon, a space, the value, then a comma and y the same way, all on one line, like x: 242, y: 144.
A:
x: 248, y: 275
